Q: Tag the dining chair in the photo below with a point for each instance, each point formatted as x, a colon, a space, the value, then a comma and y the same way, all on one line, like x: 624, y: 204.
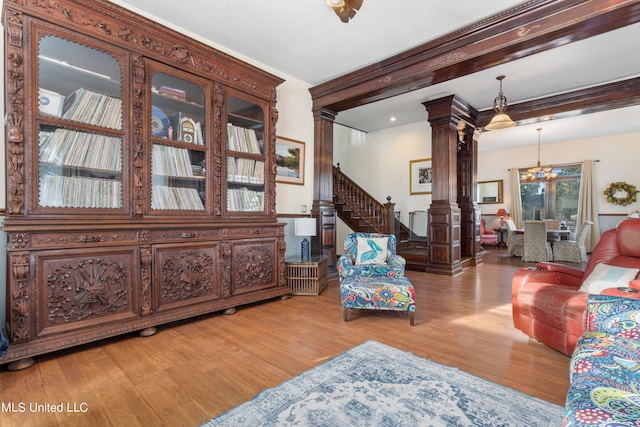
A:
x: 553, y: 224
x: 536, y: 246
x: 573, y: 251
x: 515, y: 243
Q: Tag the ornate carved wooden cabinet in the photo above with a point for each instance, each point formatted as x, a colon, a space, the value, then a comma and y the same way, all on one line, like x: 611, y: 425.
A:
x: 140, y: 176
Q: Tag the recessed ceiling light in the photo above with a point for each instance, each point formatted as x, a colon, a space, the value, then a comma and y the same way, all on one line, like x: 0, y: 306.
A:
x: 393, y: 119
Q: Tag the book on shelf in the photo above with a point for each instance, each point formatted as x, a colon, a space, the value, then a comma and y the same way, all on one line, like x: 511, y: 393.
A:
x: 93, y: 108
x: 245, y: 170
x: 173, y: 92
x: 164, y: 197
x: 245, y: 200
x: 171, y: 161
x: 66, y: 147
x: 243, y: 139
x: 79, y: 192
x: 50, y: 102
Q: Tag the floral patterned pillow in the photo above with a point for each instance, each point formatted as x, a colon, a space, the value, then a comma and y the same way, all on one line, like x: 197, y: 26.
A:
x: 371, y: 250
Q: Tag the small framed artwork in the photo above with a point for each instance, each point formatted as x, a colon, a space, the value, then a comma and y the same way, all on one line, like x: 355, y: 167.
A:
x: 289, y: 161
x: 420, y: 176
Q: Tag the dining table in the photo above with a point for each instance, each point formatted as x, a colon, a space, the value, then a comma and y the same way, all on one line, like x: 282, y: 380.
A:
x: 550, y: 233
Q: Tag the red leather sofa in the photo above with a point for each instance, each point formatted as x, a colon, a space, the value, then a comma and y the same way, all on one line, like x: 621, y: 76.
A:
x: 546, y: 303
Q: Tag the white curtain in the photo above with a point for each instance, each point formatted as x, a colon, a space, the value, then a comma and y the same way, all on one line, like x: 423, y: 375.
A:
x: 516, y: 199
x: 587, y: 204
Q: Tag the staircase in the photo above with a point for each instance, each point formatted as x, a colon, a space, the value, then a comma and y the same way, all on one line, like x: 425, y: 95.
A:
x: 362, y: 213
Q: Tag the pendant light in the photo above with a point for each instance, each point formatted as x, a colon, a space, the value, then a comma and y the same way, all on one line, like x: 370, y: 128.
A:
x: 539, y: 173
x: 501, y: 120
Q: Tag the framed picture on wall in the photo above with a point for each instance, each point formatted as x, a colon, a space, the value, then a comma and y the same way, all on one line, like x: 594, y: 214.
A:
x: 420, y: 176
x: 289, y: 161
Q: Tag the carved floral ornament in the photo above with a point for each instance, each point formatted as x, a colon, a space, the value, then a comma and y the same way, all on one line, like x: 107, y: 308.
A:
x: 618, y: 188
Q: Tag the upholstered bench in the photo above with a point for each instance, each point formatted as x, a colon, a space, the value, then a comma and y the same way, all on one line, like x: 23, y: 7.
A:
x: 378, y: 293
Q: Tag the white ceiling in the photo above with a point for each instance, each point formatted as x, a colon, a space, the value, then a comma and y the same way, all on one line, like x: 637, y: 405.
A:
x: 306, y: 40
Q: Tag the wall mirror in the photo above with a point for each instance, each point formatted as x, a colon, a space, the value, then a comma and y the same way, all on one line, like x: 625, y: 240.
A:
x: 490, y: 192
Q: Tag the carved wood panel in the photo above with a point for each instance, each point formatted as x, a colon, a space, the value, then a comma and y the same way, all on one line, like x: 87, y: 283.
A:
x: 81, y: 288
x: 254, y: 265
x: 20, y: 298
x: 185, y: 273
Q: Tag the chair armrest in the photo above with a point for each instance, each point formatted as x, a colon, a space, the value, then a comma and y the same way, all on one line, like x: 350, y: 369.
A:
x: 614, y: 315
x: 344, y: 262
x: 397, y: 264
x: 548, y: 273
x: 397, y: 261
x: 560, y: 268
x: 634, y: 284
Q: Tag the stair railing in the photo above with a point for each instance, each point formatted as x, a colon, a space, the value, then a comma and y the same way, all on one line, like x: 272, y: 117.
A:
x: 377, y: 215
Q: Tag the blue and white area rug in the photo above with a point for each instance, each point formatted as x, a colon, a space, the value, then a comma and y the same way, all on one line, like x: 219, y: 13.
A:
x: 377, y: 385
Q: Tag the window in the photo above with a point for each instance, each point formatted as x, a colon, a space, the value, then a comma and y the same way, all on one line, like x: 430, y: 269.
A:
x: 553, y: 200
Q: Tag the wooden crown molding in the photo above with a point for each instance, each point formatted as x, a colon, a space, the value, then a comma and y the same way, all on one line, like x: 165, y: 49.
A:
x: 532, y: 27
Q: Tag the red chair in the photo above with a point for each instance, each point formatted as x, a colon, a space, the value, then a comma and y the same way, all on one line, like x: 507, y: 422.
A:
x: 547, y: 304
x: 487, y: 236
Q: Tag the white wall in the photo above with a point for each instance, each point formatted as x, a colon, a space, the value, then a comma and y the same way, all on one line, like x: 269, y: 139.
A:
x: 618, y: 161
x: 379, y: 162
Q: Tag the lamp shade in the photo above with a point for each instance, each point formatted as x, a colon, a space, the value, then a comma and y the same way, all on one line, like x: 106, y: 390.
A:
x: 500, y: 121
x: 305, y: 226
x: 502, y: 213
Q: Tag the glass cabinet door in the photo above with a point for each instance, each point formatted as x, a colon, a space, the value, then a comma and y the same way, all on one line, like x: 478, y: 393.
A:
x: 79, y: 125
x: 178, y: 142
x: 245, y: 156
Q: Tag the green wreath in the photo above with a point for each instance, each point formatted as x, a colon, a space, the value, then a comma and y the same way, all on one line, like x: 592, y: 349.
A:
x: 621, y: 186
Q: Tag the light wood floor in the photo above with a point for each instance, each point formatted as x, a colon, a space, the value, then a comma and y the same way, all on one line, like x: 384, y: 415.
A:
x: 192, y: 371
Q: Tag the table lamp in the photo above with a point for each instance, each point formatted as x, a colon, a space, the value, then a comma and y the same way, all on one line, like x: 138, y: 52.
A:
x: 501, y: 214
x: 305, y: 227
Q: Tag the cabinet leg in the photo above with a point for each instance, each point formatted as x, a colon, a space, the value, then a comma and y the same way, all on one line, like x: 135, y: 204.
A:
x: 21, y: 364
x: 148, y: 332
x: 231, y: 310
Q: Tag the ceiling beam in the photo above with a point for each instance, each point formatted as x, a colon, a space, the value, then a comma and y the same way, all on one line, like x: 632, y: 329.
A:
x: 624, y: 93
x: 532, y: 27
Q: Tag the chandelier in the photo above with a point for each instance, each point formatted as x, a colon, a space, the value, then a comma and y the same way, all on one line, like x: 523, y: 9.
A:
x: 539, y: 174
x: 501, y: 120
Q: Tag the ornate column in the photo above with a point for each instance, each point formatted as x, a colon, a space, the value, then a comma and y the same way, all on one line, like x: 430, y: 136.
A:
x: 467, y: 192
x: 445, y: 234
x: 323, y: 209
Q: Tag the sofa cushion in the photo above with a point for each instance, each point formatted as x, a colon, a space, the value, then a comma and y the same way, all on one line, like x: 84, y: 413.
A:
x: 606, y: 276
x: 371, y: 250
x: 603, y: 355
x: 604, y: 375
x: 629, y: 237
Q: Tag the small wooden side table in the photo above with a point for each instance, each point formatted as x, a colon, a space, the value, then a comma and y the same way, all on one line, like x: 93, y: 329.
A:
x: 307, y: 277
x: 502, y: 236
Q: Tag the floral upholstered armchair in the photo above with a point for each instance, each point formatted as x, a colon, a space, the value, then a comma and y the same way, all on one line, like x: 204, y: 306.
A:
x: 370, y: 255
